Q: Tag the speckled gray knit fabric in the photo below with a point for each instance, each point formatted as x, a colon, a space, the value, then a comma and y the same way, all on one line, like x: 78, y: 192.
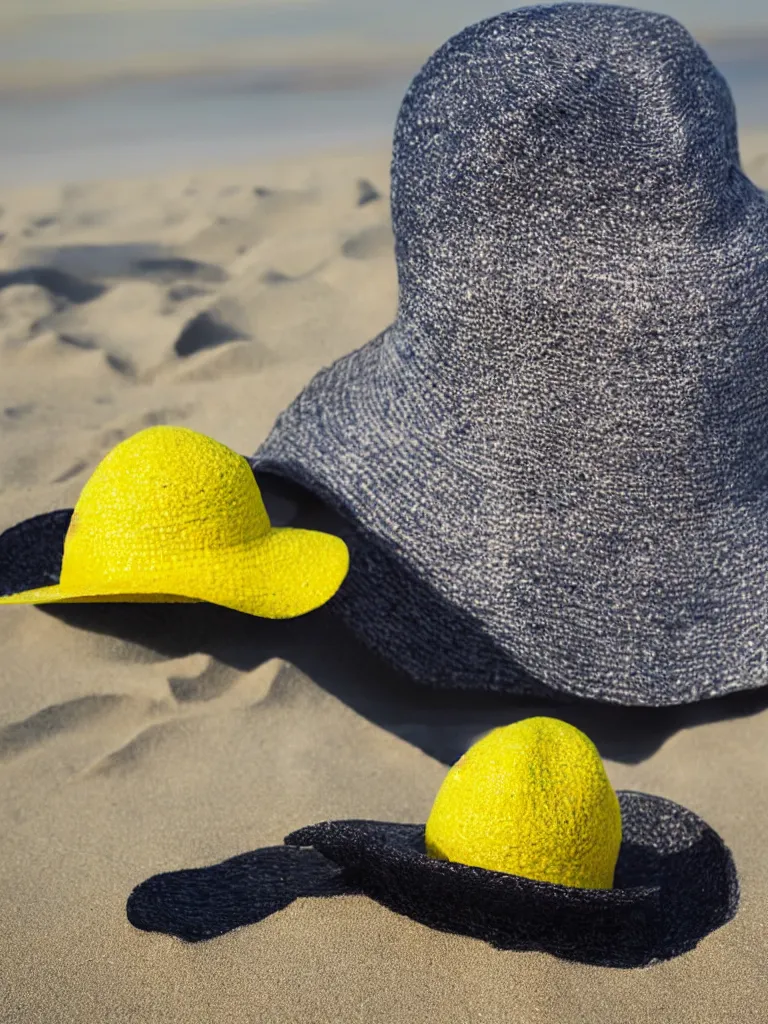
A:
x: 554, y: 463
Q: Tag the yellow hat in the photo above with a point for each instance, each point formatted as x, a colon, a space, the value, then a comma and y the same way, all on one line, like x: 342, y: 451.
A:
x: 172, y: 515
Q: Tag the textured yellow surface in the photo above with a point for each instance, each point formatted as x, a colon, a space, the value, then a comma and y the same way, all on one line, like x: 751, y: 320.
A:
x: 531, y: 799
x: 169, y: 515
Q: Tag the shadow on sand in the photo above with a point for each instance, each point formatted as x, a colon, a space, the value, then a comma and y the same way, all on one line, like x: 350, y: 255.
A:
x: 441, y: 722
x: 202, y: 903
x: 675, y: 882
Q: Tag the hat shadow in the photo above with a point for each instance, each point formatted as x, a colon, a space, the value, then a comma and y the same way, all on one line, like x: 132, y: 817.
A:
x: 657, y: 923
x: 675, y: 882
x: 196, y: 904
x: 442, y: 723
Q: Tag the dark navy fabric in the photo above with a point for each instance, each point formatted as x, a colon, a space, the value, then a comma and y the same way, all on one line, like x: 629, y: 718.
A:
x: 554, y: 463
x: 31, y: 552
x: 675, y: 883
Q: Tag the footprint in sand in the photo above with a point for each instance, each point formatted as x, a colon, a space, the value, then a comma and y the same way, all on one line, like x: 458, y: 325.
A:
x: 132, y: 753
x: 57, y: 283
x: 39, y: 224
x: 235, y: 359
x: 18, y: 737
x: 214, y: 681
x: 25, y: 309
x: 370, y: 243
x: 366, y: 192
x: 173, y: 268
x: 85, y: 344
x: 121, y: 261
x: 136, y: 323
x: 282, y: 199
x: 276, y: 277
x: 183, y: 293
x: 71, y: 473
x: 208, y: 329
x: 18, y: 412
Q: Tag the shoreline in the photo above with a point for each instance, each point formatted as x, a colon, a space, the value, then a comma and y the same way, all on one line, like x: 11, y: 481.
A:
x: 275, y: 67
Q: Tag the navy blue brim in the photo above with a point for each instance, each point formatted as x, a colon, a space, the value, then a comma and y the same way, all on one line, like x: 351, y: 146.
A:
x: 32, y: 551
x: 675, y: 883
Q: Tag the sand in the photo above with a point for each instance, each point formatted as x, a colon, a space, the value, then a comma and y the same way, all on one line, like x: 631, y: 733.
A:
x: 135, y: 741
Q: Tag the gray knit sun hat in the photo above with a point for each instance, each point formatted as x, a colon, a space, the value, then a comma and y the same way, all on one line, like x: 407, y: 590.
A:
x: 553, y: 466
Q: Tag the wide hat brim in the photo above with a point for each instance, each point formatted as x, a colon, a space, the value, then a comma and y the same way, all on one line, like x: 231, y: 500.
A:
x: 675, y: 882
x: 535, y: 506
x: 345, y: 440
x: 286, y: 573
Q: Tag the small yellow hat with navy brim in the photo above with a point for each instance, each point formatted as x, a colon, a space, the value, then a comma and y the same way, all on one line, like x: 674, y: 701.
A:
x: 171, y: 515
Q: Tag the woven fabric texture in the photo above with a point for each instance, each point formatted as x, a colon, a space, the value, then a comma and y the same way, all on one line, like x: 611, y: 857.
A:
x: 554, y: 462
x: 32, y: 551
x: 532, y: 799
x: 675, y: 883
x: 172, y: 515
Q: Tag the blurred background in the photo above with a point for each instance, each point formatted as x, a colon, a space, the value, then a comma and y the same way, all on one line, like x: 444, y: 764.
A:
x: 91, y: 88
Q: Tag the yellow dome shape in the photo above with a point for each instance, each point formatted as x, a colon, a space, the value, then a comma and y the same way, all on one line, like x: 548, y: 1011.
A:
x: 530, y: 799
x: 172, y: 515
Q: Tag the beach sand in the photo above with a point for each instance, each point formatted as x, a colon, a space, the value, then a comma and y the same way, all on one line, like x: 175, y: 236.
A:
x: 140, y: 740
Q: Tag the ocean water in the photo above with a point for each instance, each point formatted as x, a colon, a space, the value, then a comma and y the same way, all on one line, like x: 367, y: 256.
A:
x: 124, y: 32
x: 156, y: 125
x: 150, y: 127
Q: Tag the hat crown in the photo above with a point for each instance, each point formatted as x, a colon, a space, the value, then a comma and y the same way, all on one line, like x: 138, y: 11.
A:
x: 545, y: 148
x: 156, y: 496
x: 532, y: 799
x: 573, y: 120
x: 581, y: 260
